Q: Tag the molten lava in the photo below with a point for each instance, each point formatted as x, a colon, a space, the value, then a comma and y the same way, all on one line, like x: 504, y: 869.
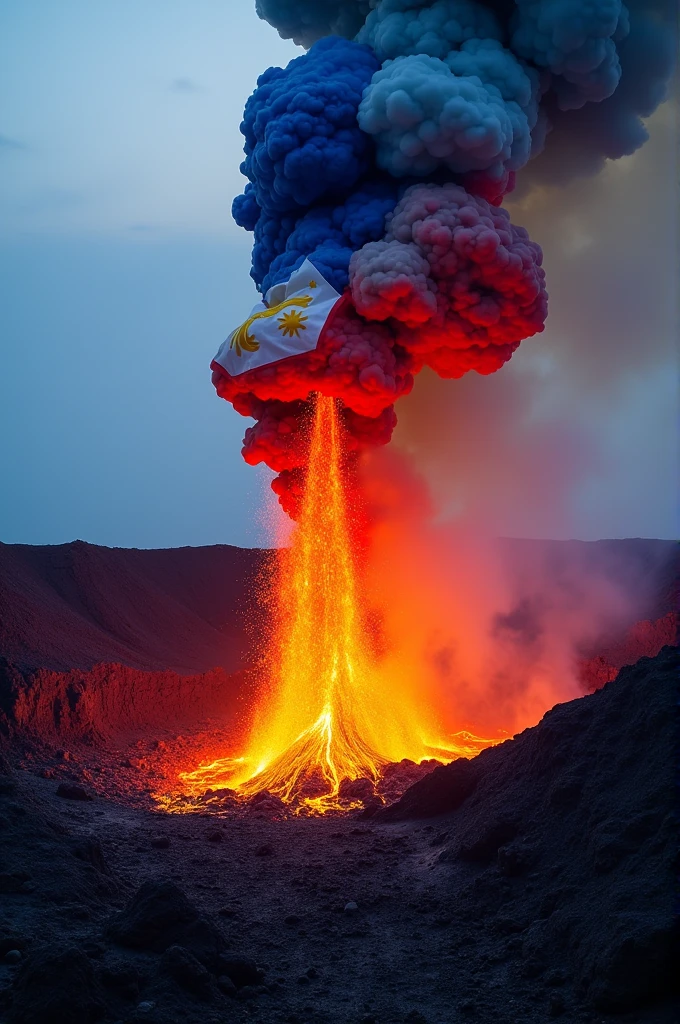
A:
x: 328, y: 714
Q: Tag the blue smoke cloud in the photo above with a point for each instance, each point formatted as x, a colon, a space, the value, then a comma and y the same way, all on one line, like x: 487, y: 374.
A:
x: 330, y: 234
x: 575, y: 40
x: 472, y: 112
x: 306, y: 21
x: 402, y: 28
x: 581, y: 141
x: 303, y: 142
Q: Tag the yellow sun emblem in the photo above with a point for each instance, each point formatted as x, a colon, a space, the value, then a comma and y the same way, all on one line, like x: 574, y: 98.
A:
x: 292, y: 323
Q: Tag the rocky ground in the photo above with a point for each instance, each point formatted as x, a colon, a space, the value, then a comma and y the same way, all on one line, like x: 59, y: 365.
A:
x: 531, y: 883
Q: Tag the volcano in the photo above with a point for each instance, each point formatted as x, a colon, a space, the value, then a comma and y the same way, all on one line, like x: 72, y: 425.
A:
x: 536, y: 874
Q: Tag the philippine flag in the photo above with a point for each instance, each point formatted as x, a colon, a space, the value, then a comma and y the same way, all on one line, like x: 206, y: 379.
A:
x: 287, y: 322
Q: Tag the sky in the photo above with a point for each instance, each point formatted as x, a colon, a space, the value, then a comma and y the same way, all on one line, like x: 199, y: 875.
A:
x: 122, y: 272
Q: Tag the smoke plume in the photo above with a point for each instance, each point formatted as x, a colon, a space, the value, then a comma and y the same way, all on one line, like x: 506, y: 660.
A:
x: 384, y: 154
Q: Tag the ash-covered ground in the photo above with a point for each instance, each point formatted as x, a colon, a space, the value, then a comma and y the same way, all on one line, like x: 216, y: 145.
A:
x: 534, y: 882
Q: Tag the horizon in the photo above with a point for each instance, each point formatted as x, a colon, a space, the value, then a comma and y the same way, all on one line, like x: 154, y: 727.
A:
x: 124, y: 271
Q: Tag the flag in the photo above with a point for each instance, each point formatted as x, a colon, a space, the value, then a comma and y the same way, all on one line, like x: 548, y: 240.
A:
x: 287, y: 322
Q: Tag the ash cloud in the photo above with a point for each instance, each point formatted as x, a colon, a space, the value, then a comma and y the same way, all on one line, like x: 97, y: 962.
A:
x: 576, y: 437
x: 492, y: 632
x: 397, y: 104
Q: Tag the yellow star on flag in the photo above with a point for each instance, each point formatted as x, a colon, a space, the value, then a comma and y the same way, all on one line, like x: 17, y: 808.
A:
x: 292, y: 323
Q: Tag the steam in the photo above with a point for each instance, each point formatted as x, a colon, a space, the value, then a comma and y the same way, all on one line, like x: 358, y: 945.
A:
x: 490, y: 632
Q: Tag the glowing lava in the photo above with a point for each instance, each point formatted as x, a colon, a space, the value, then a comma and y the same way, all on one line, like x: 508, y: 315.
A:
x: 328, y: 714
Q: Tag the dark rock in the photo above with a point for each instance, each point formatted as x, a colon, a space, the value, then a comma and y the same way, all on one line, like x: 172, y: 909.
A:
x: 95, y: 950
x: 226, y: 985
x: 556, y: 1004
x: 12, y: 940
x: 370, y: 808
x: 271, y: 809
x: 356, y: 789
x: 227, y: 912
x: 241, y: 969
x: 187, y: 971
x: 637, y: 963
x: 121, y: 978
x: 158, y: 916
x: 265, y: 850
x: 514, y: 860
x: 57, y: 988
x: 566, y: 793
x: 69, y: 791
x: 532, y: 968
x: 13, y: 881
x: 396, y: 778
x: 13, y: 956
x: 90, y: 851
x: 247, y: 992
x: 160, y: 843
x: 215, y: 837
x: 292, y: 919
x: 482, y: 845
x: 443, y: 790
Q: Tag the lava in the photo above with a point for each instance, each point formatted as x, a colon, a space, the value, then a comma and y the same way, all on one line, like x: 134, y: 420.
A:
x: 328, y: 714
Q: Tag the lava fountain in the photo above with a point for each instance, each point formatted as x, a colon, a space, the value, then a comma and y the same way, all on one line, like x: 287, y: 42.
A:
x: 327, y: 714
x: 316, y: 731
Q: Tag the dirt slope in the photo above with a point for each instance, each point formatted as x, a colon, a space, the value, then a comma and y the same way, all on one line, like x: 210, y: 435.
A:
x: 566, y: 835
x: 77, y: 605
x: 546, y: 895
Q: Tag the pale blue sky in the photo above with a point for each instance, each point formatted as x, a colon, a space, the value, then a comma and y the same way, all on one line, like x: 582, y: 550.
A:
x: 122, y: 271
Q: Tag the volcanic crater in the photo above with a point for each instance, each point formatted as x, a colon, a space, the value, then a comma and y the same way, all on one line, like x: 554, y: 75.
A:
x: 532, y: 881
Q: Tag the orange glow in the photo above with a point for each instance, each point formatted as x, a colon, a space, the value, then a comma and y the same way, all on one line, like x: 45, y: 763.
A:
x: 330, y: 712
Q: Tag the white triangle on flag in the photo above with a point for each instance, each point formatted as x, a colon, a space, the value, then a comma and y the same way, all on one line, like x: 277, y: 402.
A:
x: 287, y: 322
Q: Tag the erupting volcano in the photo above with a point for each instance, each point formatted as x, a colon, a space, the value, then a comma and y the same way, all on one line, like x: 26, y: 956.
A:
x: 327, y: 715
x: 377, y: 163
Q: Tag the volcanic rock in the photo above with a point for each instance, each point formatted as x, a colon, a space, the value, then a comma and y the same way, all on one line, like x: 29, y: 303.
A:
x: 242, y: 970
x: 187, y: 971
x: 121, y: 978
x: 356, y: 789
x: 160, y: 915
x: 71, y: 792
x: 226, y: 985
x: 591, y: 795
x: 57, y: 988
x: 441, y: 790
x: 265, y: 850
x: 482, y: 845
x: 90, y: 852
x: 396, y: 778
